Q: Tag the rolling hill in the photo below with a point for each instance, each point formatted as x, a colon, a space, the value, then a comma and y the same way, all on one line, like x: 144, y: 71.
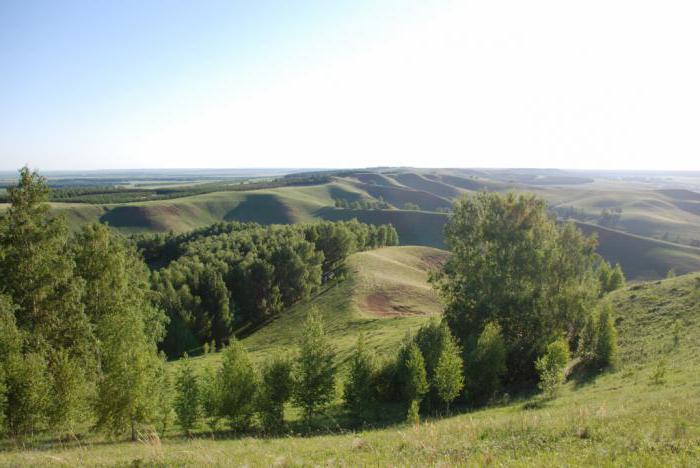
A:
x: 646, y: 413
x: 635, y: 240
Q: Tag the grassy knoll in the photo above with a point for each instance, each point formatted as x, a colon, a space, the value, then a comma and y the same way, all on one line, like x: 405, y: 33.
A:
x: 630, y: 417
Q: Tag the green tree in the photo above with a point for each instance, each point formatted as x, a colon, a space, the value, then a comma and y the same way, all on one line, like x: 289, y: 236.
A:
x: 275, y: 390
x: 588, y: 339
x: 69, y: 394
x: 187, y: 396
x: 486, y: 365
x: 125, y: 395
x: 416, y: 380
x: 315, y: 373
x: 512, y: 263
x: 238, y: 382
x: 448, y: 378
x: 551, y: 367
x: 606, y: 343
x: 28, y: 393
x: 360, y: 391
x: 211, y: 399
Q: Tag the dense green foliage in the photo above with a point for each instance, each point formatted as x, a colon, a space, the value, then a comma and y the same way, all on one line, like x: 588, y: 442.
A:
x: 274, y: 392
x: 314, y: 375
x: 550, y: 367
x: 78, y: 324
x: 512, y: 264
x: 187, y: 399
x: 233, y: 274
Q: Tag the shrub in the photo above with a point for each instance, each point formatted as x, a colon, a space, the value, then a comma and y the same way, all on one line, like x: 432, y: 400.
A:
x: 551, y: 366
x: 413, y: 415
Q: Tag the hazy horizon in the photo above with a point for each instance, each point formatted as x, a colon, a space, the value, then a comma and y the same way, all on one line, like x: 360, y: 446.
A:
x: 273, y: 84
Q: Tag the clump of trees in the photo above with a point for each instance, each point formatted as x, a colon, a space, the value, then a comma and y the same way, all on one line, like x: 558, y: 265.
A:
x: 230, y: 275
x: 516, y: 282
x: 77, y: 323
x: 363, y: 204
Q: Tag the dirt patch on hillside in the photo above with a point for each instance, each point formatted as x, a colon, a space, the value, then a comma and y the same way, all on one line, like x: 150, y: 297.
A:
x: 379, y: 303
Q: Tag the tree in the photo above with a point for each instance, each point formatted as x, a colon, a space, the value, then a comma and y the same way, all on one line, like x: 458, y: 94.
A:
x: 275, y: 391
x: 125, y: 392
x: 486, y: 364
x: 28, y: 393
x: 238, y: 383
x: 432, y: 340
x: 360, y: 392
x: 416, y: 381
x: 448, y: 378
x: 187, y: 396
x: 314, y: 373
x: 606, y: 343
x: 127, y: 327
x: 551, y: 366
x: 211, y: 399
x: 512, y: 263
x: 39, y: 277
x: 588, y: 339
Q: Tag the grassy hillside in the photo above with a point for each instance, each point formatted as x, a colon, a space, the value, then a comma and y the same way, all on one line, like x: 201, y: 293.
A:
x: 385, y: 294
x: 623, y: 418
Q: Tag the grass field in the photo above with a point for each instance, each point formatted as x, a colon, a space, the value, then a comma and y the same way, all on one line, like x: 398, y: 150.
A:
x: 635, y: 416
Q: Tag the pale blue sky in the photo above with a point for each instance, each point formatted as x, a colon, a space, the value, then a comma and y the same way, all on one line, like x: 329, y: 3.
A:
x: 143, y: 84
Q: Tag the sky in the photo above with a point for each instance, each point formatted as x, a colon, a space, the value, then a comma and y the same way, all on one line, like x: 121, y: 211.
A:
x: 100, y: 84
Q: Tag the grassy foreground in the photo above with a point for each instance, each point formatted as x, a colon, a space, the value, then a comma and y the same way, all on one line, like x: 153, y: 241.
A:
x: 647, y: 413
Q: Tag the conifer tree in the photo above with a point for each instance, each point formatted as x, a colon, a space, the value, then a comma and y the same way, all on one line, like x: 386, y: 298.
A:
x: 314, y: 377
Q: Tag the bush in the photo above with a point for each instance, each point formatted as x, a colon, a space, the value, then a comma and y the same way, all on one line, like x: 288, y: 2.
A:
x: 360, y: 391
x: 275, y: 391
x: 551, y: 366
x: 413, y: 414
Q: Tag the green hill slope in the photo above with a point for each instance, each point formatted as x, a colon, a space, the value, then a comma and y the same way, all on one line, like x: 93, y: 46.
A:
x: 623, y: 418
x: 385, y: 294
